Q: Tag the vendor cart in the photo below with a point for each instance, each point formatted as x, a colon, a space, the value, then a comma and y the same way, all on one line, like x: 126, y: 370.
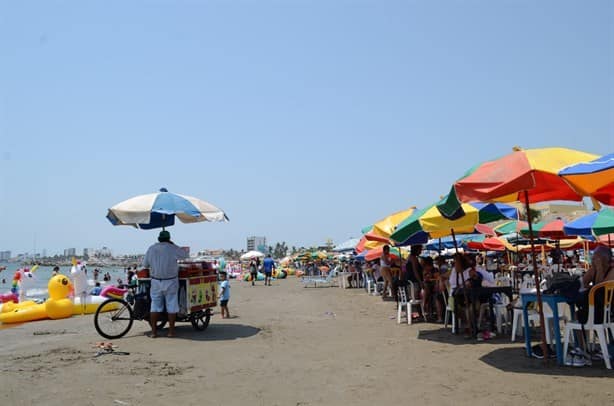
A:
x: 197, y: 296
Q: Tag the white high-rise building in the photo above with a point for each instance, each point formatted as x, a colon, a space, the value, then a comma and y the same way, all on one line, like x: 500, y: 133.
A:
x: 256, y: 244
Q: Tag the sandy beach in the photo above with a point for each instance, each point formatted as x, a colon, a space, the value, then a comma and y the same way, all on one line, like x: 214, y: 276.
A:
x: 287, y: 345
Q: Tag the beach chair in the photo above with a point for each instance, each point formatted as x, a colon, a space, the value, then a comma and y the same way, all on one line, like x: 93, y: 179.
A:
x: 407, y: 303
x: 449, y: 316
x: 369, y: 283
x: 599, y: 327
x: 319, y: 279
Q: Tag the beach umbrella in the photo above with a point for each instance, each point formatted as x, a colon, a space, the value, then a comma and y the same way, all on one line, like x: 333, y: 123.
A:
x: 546, y: 229
x: 251, y: 255
x: 348, y: 245
x: 159, y: 210
x: 386, y: 226
x: 597, y: 224
x: 508, y: 227
x: 486, y: 243
x: 527, y: 176
x: 431, y: 222
x: 594, y: 178
x: 524, y: 175
x: 378, y: 252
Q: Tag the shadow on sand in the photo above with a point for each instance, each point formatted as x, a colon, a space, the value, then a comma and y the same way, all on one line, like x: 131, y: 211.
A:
x: 511, y: 357
x: 514, y: 359
x: 216, y: 332
x: 445, y: 336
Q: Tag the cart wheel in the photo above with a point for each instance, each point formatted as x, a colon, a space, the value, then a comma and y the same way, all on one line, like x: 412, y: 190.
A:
x: 200, y: 320
x: 113, y: 318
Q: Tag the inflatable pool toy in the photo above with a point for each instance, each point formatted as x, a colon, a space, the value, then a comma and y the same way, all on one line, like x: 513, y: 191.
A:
x: 247, y: 277
x: 23, y: 280
x: 91, y: 305
x: 113, y: 292
x: 279, y: 274
x: 9, y: 297
x: 58, y: 306
x: 79, y: 279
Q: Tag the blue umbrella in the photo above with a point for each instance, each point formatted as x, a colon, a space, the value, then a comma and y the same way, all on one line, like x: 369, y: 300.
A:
x: 598, y: 223
x: 157, y: 210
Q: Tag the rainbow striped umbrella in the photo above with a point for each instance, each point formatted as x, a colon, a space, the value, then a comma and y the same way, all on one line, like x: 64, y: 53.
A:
x: 594, y: 178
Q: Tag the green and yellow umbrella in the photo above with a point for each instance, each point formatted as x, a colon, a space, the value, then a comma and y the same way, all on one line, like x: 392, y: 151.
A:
x: 430, y: 223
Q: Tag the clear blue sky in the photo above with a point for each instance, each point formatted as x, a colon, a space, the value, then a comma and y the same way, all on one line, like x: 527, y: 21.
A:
x: 303, y: 120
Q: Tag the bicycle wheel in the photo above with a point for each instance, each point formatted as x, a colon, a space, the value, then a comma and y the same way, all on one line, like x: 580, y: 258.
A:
x: 113, y: 318
x: 200, y: 320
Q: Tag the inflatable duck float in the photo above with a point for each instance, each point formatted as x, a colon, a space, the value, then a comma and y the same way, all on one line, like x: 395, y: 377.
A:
x: 58, y: 306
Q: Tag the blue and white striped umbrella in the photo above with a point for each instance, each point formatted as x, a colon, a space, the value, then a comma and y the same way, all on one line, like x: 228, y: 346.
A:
x: 157, y: 210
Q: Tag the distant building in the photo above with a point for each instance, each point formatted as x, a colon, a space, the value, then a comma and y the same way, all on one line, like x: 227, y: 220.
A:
x: 70, y: 252
x: 5, y: 256
x: 256, y: 244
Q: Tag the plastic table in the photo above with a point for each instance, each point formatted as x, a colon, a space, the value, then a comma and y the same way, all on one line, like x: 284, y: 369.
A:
x: 553, y: 301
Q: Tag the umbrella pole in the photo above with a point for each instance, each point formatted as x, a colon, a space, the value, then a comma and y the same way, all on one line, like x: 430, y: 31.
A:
x: 454, y: 240
x: 542, y: 327
x: 468, y: 310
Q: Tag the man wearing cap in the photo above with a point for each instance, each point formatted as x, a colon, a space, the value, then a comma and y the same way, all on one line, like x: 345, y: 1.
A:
x: 161, y: 259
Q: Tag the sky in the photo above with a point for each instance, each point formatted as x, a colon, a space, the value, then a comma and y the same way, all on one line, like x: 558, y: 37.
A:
x: 302, y: 120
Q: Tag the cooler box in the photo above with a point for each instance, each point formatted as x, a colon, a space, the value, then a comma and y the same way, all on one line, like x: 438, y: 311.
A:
x: 197, y: 286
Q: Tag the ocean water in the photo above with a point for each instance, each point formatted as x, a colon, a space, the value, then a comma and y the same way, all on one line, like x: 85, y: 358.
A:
x: 42, y: 275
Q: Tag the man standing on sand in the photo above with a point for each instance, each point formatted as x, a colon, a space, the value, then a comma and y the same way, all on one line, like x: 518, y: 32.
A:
x: 268, y: 264
x: 161, y: 259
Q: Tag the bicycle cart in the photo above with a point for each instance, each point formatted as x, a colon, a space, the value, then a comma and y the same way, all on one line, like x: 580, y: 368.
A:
x: 197, y: 296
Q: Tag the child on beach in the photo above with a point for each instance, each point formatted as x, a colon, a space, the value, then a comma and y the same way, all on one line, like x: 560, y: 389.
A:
x: 224, y: 295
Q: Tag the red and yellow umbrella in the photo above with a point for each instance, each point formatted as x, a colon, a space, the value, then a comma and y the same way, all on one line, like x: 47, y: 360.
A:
x: 523, y: 175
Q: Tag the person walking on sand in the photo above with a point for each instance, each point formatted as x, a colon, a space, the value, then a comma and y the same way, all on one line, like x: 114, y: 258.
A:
x: 268, y: 264
x: 253, y: 271
x: 161, y: 259
x: 224, y: 295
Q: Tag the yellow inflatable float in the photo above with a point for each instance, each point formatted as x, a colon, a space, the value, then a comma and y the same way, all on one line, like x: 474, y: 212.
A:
x: 58, y: 306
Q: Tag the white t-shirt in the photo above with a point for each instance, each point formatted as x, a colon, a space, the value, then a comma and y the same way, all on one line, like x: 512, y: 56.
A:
x: 453, y: 278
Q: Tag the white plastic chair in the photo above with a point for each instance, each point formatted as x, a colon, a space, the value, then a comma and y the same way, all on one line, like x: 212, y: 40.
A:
x: 369, y: 283
x: 599, y: 327
x: 449, y: 310
x: 407, y: 304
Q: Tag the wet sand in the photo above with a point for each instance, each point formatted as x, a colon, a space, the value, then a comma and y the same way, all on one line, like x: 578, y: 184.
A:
x: 287, y: 345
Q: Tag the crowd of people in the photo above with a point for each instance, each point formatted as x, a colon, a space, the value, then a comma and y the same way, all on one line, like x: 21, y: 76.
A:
x: 436, y: 280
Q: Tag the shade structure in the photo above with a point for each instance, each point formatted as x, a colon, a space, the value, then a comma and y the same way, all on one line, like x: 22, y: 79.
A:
x: 371, y: 241
x: 513, y: 226
x: 347, y: 245
x: 251, y: 255
x: 546, y: 229
x: 431, y: 222
x: 597, y: 224
x: 378, y: 252
x: 594, y: 178
x: 156, y: 210
x: 386, y: 226
x: 523, y: 175
x: 486, y: 243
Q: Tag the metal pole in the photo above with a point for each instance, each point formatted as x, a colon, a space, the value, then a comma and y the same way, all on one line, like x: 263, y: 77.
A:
x: 540, y: 309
